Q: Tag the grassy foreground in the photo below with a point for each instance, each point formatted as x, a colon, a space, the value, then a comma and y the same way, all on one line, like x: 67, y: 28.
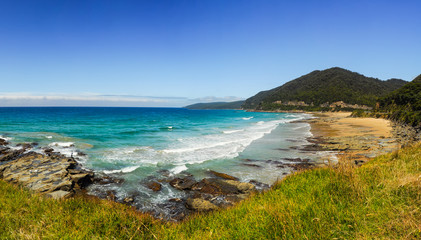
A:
x: 381, y: 199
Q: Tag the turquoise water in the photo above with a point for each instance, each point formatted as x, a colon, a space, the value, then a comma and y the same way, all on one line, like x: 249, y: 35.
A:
x: 137, y: 144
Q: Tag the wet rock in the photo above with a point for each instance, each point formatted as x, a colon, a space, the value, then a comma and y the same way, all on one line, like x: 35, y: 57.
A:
x: 3, y: 142
x: 185, y: 183
x: 104, y: 180
x: 48, y: 150
x: 200, y: 205
x: 81, y: 154
x: 25, y: 146
x: 154, y: 186
x: 251, y: 165
x: 222, y: 175
x: 164, y: 172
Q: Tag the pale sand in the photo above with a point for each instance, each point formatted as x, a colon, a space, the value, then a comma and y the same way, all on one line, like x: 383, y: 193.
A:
x: 341, y: 125
x: 355, y: 139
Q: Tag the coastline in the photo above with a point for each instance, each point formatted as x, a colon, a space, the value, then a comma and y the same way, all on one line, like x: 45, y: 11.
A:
x: 355, y: 140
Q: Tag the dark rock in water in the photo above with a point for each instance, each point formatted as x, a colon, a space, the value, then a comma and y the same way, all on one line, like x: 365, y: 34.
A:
x: 222, y: 175
x: 25, y: 146
x: 48, y: 151
x: 3, y: 142
x: 164, y: 172
x: 251, y: 165
x: 79, y: 153
x: 185, y: 183
x: 103, y: 180
x: 154, y: 186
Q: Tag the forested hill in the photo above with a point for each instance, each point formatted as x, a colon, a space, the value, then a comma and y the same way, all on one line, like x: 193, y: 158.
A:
x: 404, y: 104
x: 321, y: 87
x: 216, y: 105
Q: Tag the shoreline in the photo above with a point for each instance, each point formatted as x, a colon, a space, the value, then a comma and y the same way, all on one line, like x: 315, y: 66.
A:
x: 355, y: 140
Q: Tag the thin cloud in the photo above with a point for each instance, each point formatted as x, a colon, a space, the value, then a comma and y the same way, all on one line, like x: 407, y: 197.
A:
x: 90, y: 99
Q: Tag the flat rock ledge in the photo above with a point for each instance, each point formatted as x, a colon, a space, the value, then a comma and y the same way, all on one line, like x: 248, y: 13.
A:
x: 51, y: 174
x: 212, y: 193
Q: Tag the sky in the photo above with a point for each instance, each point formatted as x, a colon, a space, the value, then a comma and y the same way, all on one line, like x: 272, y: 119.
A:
x: 177, y: 52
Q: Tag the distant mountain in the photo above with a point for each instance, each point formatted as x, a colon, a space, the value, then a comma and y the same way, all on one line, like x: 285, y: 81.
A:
x: 404, y: 104
x: 216, y: 105
x: 319, y: 89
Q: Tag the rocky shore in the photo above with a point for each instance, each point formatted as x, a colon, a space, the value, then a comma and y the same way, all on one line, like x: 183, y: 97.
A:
x: 49, y: 173
x: 357, y: 140
x: 353, y: 140
x: 53, y: 175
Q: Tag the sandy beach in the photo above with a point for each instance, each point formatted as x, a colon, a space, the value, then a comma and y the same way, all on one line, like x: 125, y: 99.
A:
x: 355, y: 139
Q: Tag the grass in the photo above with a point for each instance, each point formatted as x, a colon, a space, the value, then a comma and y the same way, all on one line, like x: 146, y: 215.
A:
x: 380, y: 200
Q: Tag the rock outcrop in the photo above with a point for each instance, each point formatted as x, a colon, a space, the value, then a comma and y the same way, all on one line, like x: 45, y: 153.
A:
x: 52, y: 175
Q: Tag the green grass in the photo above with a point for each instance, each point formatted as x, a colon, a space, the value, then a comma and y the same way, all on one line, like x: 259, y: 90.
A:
x: 380, y: 200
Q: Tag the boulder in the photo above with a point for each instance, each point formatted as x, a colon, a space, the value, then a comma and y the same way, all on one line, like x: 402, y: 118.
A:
x: 216, y: 186
x: 154, y: 186
x: 185, y: 183
x: 200, y: 205
x: 222, y: 175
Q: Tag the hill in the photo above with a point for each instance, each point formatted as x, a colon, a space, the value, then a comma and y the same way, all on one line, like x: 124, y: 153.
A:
x: 404, y: 104
x: 216, y: 105
x: 319, y: 89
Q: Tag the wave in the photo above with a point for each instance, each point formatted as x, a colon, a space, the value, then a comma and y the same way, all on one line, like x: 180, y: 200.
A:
x: 123, y: 170
x: 191, y: 150
x: 247, y: 118
x: 5, y: 138
x: 232, y: 131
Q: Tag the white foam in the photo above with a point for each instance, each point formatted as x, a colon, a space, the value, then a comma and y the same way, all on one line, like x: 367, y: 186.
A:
x: 193, y: 149
x: 49, y: 137
x: 247, y: 118
x: 5, y: 138
x: 178, y: 169
x: 123, y: 170
x: 232, y: 131
x: 62, y: 144
x: 65, y: 148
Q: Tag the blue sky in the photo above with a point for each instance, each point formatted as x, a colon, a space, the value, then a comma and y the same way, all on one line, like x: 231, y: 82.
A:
x: 171, y: 53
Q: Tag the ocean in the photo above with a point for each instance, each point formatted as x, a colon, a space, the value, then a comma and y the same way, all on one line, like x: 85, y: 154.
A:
x: 140, y: 144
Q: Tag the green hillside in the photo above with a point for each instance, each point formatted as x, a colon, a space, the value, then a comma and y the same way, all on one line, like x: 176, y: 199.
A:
x: 404, y: 104
x: 216, y: 105
x: 327, y: 86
